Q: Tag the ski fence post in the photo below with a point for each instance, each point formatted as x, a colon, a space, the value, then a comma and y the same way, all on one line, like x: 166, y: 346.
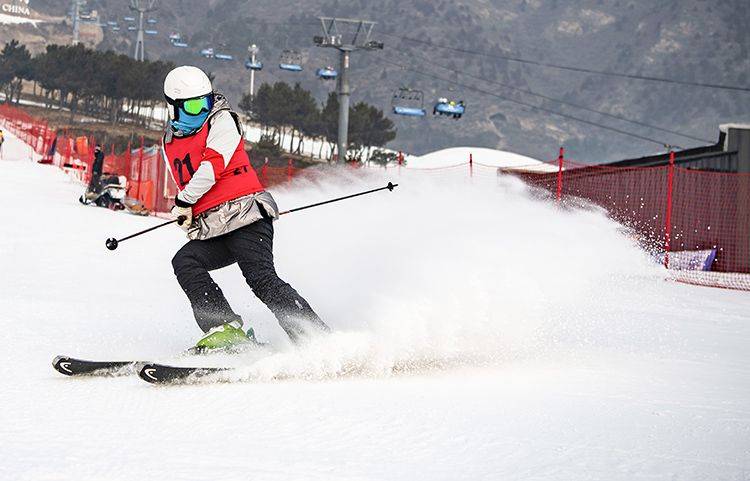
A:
x: 471, y: 165
x: 668, y: 215
x: 560, y: 159
x: 44, y: 138
x: 38, y: 137
x: 90, y: 142
x: 140, y: 170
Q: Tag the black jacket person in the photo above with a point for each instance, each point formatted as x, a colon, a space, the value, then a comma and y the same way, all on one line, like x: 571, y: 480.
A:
x: 96, y: 169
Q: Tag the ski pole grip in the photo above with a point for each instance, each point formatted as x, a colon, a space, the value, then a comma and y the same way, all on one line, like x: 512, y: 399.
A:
x: 181, y: 219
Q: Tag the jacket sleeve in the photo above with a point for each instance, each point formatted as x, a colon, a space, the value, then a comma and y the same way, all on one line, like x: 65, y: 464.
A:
x: 223, y: 138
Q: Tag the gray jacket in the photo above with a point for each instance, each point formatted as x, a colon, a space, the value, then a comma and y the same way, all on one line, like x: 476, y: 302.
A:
x: 224, y: 135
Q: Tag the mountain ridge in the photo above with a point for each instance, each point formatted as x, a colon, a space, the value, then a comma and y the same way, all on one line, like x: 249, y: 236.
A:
x: 684, y: 39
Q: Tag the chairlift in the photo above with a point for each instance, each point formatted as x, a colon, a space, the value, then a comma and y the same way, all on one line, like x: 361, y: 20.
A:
x: 291, y: 61
x: 327, y: 73
x: 256, y: 65
x: 131, y: 28
x: 129, y: 19
x: 151, y: 32
x: 450, y: 108
x: 180, y: 44
x: 111, y: 23
x: 208, y: 52
x: 408, y: 102
x: 115, y: 28
x: 175, y: 37
x: 152, y: 21
x: 223, y: 56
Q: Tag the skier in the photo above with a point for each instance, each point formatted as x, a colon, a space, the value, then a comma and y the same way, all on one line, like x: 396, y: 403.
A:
x: 227, y: 215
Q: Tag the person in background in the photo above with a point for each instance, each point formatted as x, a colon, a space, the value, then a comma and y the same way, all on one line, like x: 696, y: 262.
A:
x: 96, y: 172
x: 2, y: 139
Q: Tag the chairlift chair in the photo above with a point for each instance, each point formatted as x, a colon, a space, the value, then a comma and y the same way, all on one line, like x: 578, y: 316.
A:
x: 291, y: 61
x: 327, y: 73
x: 450, y: 108
x: 208, y: 52
x: 256, y: 65
x: 223, y: 56
x: 408, y: 102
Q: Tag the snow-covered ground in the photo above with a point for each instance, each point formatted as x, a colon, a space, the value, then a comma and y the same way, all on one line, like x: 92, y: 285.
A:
x: 487, y: 157
x: 563, y: 353
x: 15, y: 20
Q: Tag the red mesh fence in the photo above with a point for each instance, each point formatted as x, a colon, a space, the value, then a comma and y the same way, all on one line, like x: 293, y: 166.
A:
x: 32, y: 131
x: 277, y: 175
x: 709, y: 210
x: 670, y: 209
x: 148, y: 180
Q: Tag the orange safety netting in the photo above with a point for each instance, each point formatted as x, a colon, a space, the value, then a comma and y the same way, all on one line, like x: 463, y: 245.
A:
x: 667, y: 208
x: 704, y: 210
x: 148, y: 180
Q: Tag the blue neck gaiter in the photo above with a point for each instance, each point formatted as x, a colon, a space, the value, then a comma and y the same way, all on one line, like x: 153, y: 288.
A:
x: 189, y: 124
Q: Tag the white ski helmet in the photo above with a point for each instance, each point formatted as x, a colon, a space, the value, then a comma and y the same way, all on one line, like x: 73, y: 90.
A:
x: 186, y: 82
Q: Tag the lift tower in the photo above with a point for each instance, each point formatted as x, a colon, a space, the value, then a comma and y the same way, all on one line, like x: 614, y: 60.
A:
x: 346, y: 35
x: 75, y: 15
x: 253, y: 51
x: 142, y: 7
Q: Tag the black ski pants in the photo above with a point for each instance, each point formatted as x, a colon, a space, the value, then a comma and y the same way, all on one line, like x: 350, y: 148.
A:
x: 251, y: 247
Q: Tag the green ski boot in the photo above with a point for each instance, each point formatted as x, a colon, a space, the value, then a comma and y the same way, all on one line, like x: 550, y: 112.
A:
x: 227, y: 337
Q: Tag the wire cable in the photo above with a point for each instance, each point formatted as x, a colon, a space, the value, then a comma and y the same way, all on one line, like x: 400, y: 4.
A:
x: 531, y: 106
x: 565, y: 102
x: 572, y: 68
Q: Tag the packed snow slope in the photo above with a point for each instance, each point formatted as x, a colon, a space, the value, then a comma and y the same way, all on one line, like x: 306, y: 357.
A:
x: 489, y: 336
x: 488, y: 157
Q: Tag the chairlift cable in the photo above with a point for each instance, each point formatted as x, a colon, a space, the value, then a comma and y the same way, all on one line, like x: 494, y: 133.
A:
x: 531, y: 106
x: 574, y: 68
x: 570, y: 104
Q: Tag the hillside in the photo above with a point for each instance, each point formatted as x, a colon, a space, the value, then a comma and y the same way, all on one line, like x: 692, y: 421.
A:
x: 688, y: 39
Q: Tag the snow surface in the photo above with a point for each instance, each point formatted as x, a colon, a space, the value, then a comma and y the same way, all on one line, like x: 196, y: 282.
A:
x: 15, y: 20
x: 488, y: 157
x: 542, y: 345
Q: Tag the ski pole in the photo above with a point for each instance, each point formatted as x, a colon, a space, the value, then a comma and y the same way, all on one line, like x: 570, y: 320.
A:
x: 390, y: 187
x: 113, y: 243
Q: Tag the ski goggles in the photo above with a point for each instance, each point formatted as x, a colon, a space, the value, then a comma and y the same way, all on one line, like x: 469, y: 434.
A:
x: 194, y: 106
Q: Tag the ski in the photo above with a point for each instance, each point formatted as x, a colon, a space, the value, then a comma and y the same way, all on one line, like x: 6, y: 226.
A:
x: 75, y: 367
x: 71, y: 366
x: 155, y: 373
